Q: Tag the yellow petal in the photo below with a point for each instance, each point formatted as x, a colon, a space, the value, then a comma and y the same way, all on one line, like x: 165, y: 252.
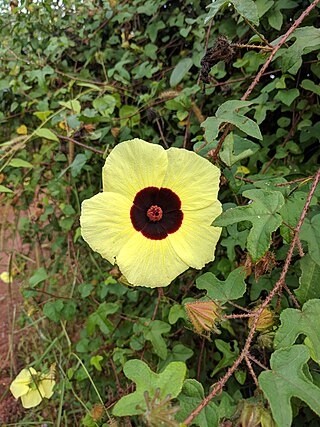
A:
x: 31, y: 399
x: 47, y: 386
x: 6, y: 277
x: 150, y: 263
x: 105, y: 223
x: 22, y: 130
x: 194, y: 179
x: 196, y: 240
x: 134, y: 165
x: 21, y: 384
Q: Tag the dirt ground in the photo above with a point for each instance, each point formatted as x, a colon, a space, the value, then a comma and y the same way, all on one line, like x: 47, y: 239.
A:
x: 10, y: 305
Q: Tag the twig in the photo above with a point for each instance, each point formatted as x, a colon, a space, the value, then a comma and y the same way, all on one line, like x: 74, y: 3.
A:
x: 87, y: 147
x: 257, y: 362
x: 255, y: 379
x: 161, y: 134
x: 160, y: 295
x: 278, y: 286
x: 200, y: 358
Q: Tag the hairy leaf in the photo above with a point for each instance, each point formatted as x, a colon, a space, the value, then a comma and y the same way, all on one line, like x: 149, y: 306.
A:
x: 286, y: 379
x: 231, y: 289
x: 310, y: 231
x: 309, y: 281
x: 169, y: 382
x: 264, y: 215
x: 296, y: 322
x: 191, y: 396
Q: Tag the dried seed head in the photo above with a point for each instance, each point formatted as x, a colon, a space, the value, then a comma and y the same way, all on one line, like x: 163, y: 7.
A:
x: 203, y: 315
x: 265, y: 321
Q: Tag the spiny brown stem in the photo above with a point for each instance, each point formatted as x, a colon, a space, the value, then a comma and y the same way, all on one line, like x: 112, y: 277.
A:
x: 238, y: 316
x: 263, y: 69
x: 257, y: 362
x: 257, y: 32
x: 250, y: 368
x: 294, y: 300
x: 277, y: 47
x: 274, y: 291
x: 251, y: 46
x: 295, y: 181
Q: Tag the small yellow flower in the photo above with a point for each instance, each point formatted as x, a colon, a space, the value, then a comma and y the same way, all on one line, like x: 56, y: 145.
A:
x: 22, y: 130
x: 6, y: 277
x: 154, y: 215
x: 32, y: 386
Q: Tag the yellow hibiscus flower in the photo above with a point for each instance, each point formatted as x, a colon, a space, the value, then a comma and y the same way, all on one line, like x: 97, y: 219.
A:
x: 32, y: 386
x: 154, y: 215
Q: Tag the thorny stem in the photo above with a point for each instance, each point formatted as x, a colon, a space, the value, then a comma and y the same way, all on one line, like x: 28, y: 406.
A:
x: 257, y: 362
x: 257, y: 32
x: 278, y: 286
x: 250, y: 368
x: 256, y: 80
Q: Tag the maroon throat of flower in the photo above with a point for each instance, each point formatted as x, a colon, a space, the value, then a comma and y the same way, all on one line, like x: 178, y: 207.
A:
x: 156, y: 212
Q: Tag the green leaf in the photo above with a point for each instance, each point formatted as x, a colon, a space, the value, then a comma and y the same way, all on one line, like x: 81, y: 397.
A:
x: 91, y: 86
x: 180, y: 70
x: 152, y: 331
x: 85, y: 289
x: 228, y: 357
x: 264, y: 215
x: 52, y: 310
x: 307, y: 40
x: 129, y: 115
x: 191, y: 396
x: 77, y: 164
x: 236, y: 148
x: 4, y: 189
x: 288, y: 379
x: 19, y: 163
x: 47, y: 134
x: 295, y: 322
x: 245, y: 8
x: 231, y: 289
x: 287, y: 96
x: 73, y: 105
x: 310, y: 231
x: 311, y: 86
x: 291, y: 211
x: 176, y: 312
x: 95, y: 361
x: 99, y: 318
x: 229, y: 112
x: 309, y: 281
x: 38, y: 276
x: 105, y: 105
x: 169, y: 382
x: 43, y: 115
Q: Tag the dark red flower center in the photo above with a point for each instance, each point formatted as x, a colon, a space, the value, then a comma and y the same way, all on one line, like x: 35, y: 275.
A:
x: 156, y: 212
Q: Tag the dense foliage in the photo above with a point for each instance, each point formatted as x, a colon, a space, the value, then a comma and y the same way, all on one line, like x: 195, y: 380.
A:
x: 78, y: 77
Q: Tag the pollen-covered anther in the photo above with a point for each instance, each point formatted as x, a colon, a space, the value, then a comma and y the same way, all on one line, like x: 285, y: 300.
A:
x: 154, y: 213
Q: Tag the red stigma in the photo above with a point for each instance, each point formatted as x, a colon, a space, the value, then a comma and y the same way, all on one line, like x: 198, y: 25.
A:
x: 154, y: 213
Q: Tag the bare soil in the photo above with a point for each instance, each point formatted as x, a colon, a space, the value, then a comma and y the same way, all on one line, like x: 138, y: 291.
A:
x: 10, y: 303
